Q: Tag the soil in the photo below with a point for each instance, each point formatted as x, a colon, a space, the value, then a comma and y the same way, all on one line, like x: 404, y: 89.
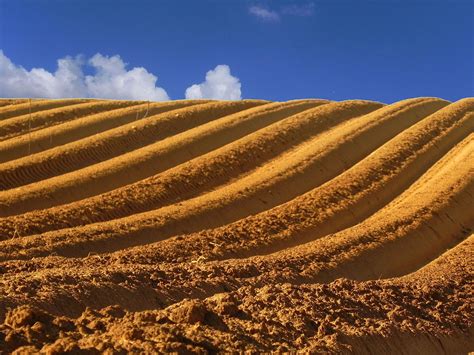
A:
x: 207, y: 226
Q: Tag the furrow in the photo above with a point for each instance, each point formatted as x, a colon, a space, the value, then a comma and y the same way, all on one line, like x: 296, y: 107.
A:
x: 10, y: 102
x: 431, y: 216
x: 290, y: 175
x: 193, y: 177
x: 125, y: 130
x: 428, y: 218
x: 77, y: 129
x: 154, y: 158
x: 157, y: 287
x: 23, y: 107
x: 341, y: 202
x: 25, y: 124
x: 404, y: 229
x: 307, y: 225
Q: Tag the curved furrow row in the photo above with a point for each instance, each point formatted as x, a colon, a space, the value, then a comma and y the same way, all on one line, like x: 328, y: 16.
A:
x: 278, y: 181
x: 247, y: 225
x: 25, y: 124
x: 23, y: 107
x: 58, y: 135
x: 339, y: 203
x: 10, y: 102
x: 192, y: 177
x: 125, y: 130
x: 228, y: 126
x: 428, y: 218
x: 415, y: 228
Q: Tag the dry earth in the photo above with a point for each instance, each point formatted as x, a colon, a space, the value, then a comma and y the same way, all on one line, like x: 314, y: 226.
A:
x: 206, y: 226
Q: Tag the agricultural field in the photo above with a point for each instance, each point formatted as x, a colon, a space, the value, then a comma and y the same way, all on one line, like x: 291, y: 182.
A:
x: 202, y: 226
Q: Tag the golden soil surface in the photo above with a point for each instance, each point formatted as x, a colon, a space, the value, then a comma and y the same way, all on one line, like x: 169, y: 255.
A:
x: 206, y: 226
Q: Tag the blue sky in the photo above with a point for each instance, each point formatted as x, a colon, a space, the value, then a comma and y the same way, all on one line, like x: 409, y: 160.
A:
x: 383, y: 50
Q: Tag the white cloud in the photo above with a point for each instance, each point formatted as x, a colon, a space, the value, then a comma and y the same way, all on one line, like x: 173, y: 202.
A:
x: 111, y: 80
x: 304, y: 10
x: 264, y: 14
x: 219, y: 85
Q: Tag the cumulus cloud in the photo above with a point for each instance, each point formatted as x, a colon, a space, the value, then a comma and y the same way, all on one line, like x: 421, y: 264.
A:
x: 264, y: 14
x: 219, y: 85
x: 111, y: 80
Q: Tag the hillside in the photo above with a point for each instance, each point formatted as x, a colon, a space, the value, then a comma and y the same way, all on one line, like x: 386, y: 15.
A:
x: 203, y: 226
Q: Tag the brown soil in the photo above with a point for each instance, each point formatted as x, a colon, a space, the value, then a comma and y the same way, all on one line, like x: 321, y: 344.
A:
x: 20, y: 125
x: 324, y: 227
x: 8, y: 102
x: 77, y: 123
x: 19, y: 107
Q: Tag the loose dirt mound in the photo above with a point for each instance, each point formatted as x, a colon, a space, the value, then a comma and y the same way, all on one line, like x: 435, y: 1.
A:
x: 203, y: 226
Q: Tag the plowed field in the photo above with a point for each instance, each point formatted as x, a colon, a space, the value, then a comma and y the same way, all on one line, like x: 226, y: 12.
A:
x: 204, y: 226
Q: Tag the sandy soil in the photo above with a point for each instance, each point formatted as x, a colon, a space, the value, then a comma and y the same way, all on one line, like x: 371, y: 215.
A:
x: 204, y: 226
